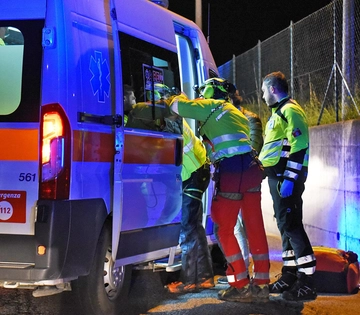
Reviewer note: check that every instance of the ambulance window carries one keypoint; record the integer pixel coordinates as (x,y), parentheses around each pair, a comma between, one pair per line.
(151,76)
(187,65)
(11,65)
(20,70)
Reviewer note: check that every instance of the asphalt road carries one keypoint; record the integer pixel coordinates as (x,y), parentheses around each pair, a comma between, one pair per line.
(147,296)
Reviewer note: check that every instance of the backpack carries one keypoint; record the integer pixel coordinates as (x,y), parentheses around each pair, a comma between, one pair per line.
(337,271)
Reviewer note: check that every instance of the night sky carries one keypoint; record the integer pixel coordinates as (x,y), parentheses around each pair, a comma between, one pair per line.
(237,25)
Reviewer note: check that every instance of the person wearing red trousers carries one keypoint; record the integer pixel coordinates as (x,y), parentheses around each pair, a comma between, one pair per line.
(238,175)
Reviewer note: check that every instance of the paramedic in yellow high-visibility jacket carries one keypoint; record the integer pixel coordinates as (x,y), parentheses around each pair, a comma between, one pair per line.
(196,266)
(285,156)
(238,175)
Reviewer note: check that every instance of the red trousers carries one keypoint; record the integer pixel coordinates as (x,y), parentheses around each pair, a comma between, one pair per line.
(234,177)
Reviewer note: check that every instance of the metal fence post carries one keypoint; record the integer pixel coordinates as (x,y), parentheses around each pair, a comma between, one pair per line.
(291,29)
(259,74)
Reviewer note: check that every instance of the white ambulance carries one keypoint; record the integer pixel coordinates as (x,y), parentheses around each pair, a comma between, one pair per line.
(85,195)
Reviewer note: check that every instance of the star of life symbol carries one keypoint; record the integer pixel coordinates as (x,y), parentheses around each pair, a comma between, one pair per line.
(100,81)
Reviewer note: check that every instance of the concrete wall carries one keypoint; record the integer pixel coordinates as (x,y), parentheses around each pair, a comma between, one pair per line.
(332,194)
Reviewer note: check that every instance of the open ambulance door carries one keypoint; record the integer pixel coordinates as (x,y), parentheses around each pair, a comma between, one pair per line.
(147,164)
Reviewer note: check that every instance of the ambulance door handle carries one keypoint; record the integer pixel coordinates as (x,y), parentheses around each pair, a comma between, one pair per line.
(178,151)
(104,120)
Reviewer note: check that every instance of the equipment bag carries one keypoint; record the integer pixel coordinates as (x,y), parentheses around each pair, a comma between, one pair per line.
(337,271)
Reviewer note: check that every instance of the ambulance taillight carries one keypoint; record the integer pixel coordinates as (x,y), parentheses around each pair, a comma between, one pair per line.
(55,153)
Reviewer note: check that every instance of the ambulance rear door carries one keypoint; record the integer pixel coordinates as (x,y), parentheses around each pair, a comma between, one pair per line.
(147,165)
(21,27)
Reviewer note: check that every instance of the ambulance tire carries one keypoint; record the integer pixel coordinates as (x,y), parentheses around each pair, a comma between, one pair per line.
(106,288)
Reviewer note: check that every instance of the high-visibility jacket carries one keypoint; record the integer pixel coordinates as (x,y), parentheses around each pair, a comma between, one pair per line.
(286,145)
(194,153)
(224,127)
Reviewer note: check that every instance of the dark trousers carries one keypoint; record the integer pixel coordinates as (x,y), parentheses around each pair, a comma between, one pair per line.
(289,215)
(196,259)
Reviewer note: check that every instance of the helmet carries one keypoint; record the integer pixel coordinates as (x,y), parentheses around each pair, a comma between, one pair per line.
(216,88)
(161,92)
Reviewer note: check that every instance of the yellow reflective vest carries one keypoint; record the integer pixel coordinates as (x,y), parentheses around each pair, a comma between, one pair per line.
(286,142)
(194,154)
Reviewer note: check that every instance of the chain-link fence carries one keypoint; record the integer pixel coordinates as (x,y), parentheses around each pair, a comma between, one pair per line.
(320,56)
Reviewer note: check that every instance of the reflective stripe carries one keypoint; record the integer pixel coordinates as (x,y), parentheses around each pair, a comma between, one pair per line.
(228,137)
(189,146)
(261,275)
(305,259)
(294,165)
(308,271)
(290,263)
(272,145)
(237,277)
(226,152)
(288,254)
(19,145)
(175,106)
(221,115)
(290,174)
(230,278)
(261,257)
(285,154)
(235,257)
(288,257)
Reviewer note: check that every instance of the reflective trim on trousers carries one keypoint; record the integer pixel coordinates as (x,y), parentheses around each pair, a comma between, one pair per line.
(288,254)
(261,275)
(308,271)
(237,277)
(305,259)
(234,258)
(261,256)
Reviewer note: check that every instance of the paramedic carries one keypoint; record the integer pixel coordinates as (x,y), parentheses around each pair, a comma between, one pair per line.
(285,157)
(149,115)
(129,101)
(196,270)
(238,175)
(256,138)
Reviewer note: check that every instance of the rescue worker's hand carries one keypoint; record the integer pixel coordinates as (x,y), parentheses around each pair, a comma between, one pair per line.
(286,188)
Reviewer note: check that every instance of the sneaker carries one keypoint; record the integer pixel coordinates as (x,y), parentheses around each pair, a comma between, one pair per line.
(260,292)
(206,284)
(222,280)
(179,287)
(302,290)
(285,282)
(233,294)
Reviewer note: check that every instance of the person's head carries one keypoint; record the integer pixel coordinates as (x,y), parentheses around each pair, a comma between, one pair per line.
(216,88)
(236,99)
(274,87)
(129,97)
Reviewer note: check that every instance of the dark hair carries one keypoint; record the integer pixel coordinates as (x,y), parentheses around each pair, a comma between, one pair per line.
(128,89)
(278,80)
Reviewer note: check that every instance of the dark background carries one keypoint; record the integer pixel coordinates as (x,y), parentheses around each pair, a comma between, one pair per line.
(237,25)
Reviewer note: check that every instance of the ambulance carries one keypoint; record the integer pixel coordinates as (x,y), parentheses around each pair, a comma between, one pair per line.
(84,194)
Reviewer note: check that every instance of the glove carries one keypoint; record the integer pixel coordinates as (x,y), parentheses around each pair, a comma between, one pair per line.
(286,188)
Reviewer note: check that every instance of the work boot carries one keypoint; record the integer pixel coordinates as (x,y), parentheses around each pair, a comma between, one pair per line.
(284,282)
(302,290)
(233,294)
(179,287)
(205,284)
(260,293)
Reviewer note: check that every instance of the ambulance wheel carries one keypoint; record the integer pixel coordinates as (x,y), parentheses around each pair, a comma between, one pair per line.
(105,289)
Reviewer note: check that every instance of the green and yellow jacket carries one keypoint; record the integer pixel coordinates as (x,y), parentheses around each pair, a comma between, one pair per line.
(224,128)
(285,152)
